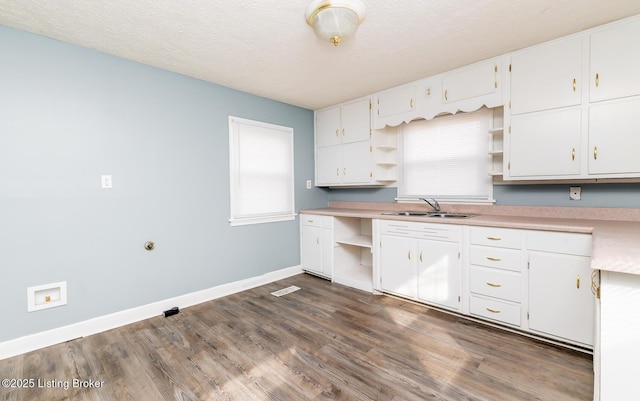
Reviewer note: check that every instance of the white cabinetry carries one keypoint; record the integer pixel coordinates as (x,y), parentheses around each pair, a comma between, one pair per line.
(395,106)
(343,144)
(545,127)
(468,88)
(561,303)
(573,109)
(421,261)
(316,244)
(496,289)
(353,259)
(617,356)
(614,82)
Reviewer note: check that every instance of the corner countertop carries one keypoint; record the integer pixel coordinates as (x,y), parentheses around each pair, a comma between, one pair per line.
(616,233)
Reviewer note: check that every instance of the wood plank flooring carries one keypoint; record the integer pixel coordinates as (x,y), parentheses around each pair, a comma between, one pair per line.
(323,342)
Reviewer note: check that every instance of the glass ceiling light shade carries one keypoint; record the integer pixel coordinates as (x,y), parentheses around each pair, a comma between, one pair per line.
(335,20)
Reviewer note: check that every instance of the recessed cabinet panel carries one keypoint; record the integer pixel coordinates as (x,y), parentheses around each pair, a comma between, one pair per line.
(547,76)
(439,273)
(614,137)
(328,127)
(355,121)
(328,165)
(466,83)
(545,143)
(615,65)
(560,298)
(396,101)
(356,163)
(398,267)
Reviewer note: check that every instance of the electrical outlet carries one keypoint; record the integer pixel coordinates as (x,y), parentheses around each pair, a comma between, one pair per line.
(308,184)
(106,181)
(575,193)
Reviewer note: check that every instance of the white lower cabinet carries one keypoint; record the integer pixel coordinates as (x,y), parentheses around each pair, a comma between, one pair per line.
(561,303)
(421,261)
(316,244)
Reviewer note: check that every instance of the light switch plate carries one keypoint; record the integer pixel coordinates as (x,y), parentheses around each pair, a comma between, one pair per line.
(308,184)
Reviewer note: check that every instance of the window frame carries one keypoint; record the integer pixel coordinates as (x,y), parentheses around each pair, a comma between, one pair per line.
(235,172)
(412,198)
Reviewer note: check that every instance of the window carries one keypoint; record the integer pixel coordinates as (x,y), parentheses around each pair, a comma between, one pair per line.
(447,159)
(261,169)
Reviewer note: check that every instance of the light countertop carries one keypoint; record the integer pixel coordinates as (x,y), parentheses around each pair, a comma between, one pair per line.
(616,243)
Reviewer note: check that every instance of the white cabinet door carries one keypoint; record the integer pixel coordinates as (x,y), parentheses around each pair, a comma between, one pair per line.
(311,252)
(398,268)
(393,105)
(328,127)
(560,298)
(547,76)
(439,273)
(356,121)
(545,143)
(356,163)
(615,64)
(614,137)
(328,165)
(470,82)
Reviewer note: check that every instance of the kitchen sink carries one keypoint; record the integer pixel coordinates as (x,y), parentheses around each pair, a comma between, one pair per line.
(407,213)
(429,214)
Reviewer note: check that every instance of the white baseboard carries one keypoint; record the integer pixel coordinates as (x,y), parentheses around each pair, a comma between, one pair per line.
(107,322)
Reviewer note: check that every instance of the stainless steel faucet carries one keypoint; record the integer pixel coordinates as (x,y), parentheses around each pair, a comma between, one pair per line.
(435,205)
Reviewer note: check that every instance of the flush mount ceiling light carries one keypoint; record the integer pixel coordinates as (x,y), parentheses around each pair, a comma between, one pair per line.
(335,20)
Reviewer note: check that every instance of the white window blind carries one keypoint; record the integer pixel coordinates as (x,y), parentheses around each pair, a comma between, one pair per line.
(261,169)
(447,158)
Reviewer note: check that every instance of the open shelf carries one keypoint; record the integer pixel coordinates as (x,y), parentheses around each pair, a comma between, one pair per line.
(356,276)
(363,241)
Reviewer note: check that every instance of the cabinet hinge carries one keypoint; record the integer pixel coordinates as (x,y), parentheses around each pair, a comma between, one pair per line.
(370,148)
(459,298)
(509,103)
(370,106)
(528,265)
(371,174)
(458,255)
(509,166)
(509,129)
(598,293)
(527,315)
(370,133)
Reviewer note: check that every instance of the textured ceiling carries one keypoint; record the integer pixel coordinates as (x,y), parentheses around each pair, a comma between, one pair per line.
(266,48)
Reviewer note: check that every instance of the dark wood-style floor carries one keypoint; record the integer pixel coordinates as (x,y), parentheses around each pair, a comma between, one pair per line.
(323,342)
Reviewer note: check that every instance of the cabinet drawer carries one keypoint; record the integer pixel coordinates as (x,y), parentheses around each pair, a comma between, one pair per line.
(567,243)
(312,220)
(495,283)
(500,237)
(499,258)
(495,310)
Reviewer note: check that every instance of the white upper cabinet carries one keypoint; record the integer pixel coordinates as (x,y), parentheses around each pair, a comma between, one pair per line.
(343,144)
(615,61)
(614,137)
(471,87)
(546,143)
(548,76)
(395,106)
(356,121)
(328,127)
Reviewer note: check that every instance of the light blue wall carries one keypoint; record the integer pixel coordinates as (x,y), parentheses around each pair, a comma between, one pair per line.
(68,115)
(621,195)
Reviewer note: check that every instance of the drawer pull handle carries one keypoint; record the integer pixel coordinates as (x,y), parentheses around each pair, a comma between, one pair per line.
(493,259)
(493,284)
(409,255)
(578,282)
(493,310)
(310,221)
(421,256)
(574,84)
(494,238)
(317,240)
